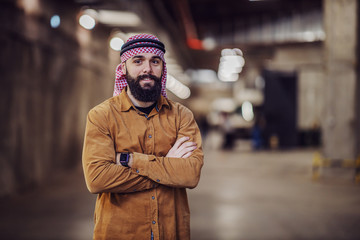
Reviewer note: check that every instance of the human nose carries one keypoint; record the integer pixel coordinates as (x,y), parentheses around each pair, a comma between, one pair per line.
(147,67)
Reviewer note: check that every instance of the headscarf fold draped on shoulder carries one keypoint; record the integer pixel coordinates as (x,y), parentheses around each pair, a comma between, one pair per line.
(141,43)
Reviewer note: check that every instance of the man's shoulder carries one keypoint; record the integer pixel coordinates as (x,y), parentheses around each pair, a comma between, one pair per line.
(176,106)
(103,108)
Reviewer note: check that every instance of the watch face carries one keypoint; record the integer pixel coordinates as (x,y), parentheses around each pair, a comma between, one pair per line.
(124,159)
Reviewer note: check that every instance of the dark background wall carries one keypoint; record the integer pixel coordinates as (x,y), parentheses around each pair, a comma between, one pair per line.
(49,79)
(280,109)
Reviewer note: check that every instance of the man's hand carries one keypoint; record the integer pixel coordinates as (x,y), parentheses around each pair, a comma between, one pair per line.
(181,148)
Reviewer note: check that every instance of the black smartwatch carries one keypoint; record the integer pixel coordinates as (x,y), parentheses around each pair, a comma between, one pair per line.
(124,159)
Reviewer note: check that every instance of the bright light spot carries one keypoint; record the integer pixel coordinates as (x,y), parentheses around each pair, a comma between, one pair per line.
(238,52)
(231,64)
(209,44)
(309,36)
(87,22)
(55,21)
(30,6)
(116,43)
(177,87)
(247,111)
(227,52)
(118,18)
(225,77)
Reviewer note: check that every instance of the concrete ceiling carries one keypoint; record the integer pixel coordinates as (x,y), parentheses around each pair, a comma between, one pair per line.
(201,28)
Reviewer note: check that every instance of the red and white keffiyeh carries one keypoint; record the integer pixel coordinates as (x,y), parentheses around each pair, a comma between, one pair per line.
(120,78)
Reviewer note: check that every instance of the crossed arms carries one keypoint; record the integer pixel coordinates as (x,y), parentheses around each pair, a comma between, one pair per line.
(181,149)
(180,167)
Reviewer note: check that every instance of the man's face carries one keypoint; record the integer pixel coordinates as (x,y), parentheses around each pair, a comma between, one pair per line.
(143,74)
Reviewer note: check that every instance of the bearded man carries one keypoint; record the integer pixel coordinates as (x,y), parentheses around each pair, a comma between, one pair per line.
(141,151)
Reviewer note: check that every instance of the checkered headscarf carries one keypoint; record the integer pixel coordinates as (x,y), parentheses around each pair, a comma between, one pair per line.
(141,43)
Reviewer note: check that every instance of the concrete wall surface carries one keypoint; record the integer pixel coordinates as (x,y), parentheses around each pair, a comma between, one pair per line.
(340,128)
(50,78)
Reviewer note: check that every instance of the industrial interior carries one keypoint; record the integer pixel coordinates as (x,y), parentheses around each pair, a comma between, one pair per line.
(274,86)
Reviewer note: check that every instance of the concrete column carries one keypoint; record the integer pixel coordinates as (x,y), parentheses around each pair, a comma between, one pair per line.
(340,126)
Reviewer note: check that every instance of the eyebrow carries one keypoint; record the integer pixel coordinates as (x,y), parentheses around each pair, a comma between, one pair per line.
(141,57)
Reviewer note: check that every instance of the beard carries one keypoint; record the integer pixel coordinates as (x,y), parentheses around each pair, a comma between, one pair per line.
(147,93)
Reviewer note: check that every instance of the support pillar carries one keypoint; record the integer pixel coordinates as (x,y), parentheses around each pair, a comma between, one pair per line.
(340,126)
(341,121)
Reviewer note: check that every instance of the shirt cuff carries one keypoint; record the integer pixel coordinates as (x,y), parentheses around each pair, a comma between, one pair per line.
(140,163)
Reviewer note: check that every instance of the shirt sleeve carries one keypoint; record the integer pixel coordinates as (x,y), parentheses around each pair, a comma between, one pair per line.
(175,172)
(101,172)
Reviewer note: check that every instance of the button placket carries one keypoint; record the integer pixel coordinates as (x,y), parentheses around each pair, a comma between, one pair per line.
(150,136)
(154,212)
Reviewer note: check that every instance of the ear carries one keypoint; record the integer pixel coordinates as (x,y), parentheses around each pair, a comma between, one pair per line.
(123,67)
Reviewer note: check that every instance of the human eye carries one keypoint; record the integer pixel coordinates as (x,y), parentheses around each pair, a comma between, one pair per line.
(156,61)
(137,61)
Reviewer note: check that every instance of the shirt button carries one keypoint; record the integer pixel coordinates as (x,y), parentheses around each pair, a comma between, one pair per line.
(153,222)
(153,197)
(158,180)
(150,136)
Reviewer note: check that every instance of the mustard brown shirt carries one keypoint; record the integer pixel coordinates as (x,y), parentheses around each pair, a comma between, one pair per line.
(150,196)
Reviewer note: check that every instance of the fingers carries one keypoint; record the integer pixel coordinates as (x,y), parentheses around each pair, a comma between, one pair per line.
(180,141)
(182,148)
(185,149)
(186,152)
(187,155)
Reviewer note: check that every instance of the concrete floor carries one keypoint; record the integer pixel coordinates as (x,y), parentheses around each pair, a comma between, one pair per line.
(270,195)
(241,195)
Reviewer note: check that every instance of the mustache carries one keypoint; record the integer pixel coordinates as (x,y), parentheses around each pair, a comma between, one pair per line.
(141,77)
